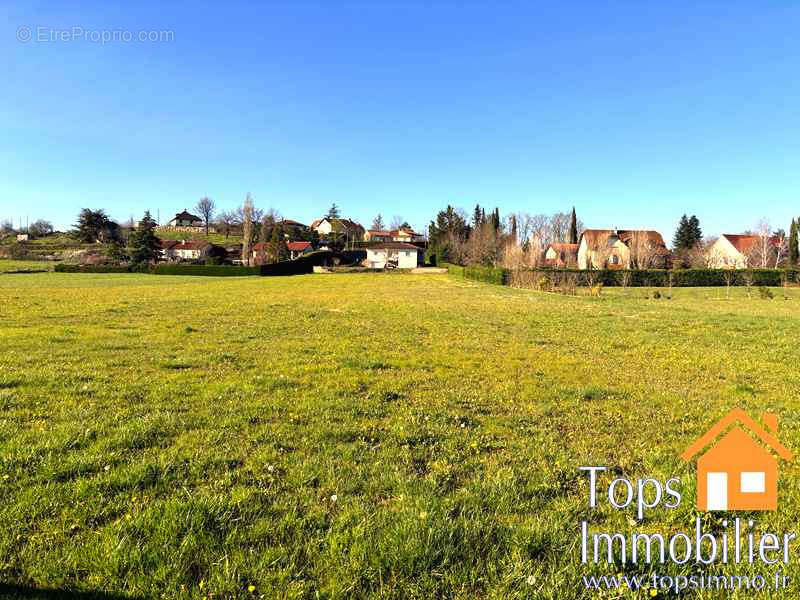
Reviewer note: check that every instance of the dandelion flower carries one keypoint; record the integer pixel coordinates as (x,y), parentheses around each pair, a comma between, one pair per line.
(334,498)
(531,580)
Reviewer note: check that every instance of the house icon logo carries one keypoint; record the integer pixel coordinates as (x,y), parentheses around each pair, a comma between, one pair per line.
(737,468)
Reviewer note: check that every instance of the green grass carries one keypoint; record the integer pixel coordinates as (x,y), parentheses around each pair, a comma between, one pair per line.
(11,266)
(213,238)
(186,437)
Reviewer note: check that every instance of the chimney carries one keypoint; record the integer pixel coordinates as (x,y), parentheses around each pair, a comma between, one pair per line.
(770,422)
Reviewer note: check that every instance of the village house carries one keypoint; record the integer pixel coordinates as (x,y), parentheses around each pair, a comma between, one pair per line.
(345,227)
(739,251)
(403,234)
(165,249)
(561,255)
(399,255)
(622,249)
(191,250)
(185,219)
(297,249)
(738,471)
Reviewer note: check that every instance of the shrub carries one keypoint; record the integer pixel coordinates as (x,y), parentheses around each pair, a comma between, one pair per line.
(656,295)
(765,293)
(487,274)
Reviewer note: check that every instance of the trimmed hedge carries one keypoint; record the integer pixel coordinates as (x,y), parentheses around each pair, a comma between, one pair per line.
(66,268)
(205,270)
(636,278)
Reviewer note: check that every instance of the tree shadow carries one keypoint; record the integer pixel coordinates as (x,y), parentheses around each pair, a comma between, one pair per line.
(23,592)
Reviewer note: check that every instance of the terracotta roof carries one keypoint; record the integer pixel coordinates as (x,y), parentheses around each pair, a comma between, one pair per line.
(744,243)
(597,237)
(298,246)
(292,223)
(393,246)
(191,245)
(379,232)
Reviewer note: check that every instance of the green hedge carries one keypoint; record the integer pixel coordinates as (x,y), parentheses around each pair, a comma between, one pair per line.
(636,278)
(293,267)
(488,274)
(67,268)
(205,270)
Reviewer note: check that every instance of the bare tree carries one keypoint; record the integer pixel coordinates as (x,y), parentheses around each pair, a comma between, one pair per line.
(643,250)
(761,251)
(780,246)
(749,278)
(728,276)
(397,222)
(247,228)
(227,219)
(377,222)
(206,207)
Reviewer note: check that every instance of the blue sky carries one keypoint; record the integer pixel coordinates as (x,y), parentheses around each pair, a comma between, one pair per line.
(633,112)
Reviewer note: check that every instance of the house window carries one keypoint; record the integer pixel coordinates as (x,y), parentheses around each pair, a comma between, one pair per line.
(752,482)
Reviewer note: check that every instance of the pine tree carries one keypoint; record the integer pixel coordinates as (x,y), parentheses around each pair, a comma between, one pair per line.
(333,212)
(696,234)
(143,243)
(477,217)
(793,241)
(680,241)
(573,228)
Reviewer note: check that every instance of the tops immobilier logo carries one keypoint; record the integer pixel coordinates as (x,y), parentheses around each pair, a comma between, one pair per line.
(737,472)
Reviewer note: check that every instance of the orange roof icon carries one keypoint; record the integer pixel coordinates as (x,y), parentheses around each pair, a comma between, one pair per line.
(737,414)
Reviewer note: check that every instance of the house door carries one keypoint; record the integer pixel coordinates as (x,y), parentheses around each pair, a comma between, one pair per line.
(717,491)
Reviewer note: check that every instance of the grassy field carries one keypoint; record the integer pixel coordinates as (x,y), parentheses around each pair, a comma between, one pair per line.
(357,435)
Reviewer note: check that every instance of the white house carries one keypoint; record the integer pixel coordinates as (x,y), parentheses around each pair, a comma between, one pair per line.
(185,219)
(190,250)
(297,249)
(394,254)
(733,251)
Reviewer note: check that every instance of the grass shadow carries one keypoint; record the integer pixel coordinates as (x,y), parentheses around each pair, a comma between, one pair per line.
(23,592)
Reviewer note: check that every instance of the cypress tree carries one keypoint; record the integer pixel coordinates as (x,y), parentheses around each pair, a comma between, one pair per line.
(793,240)
(573,228)
(477,217)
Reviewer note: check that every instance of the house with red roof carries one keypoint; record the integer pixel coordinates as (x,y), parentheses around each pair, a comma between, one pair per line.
(740,251)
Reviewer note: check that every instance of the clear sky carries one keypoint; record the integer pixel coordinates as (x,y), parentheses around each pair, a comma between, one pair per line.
(633,112)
